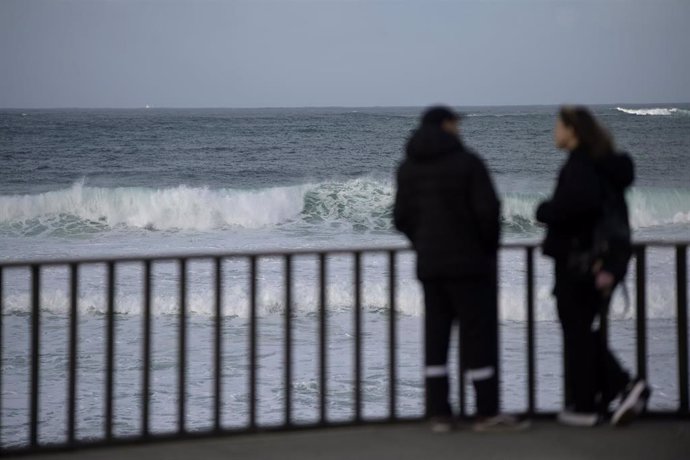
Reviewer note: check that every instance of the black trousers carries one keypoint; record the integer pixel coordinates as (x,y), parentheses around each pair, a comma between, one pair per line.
(593,376)
(473,302)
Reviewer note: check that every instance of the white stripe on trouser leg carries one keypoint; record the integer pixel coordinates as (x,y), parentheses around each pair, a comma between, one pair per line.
(482,373)
(596,323)
(436,371)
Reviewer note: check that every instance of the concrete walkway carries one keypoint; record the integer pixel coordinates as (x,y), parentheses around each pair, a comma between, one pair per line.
(649,440)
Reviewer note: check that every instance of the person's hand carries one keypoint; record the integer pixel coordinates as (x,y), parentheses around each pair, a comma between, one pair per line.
(542,213)
(604,281)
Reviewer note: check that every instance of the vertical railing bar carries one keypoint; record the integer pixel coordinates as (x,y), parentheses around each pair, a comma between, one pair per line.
(146,352)
(682,306)
(35,353)
(252,343)
(110,350)
(531,381)
(182,350)
(288,340)
(1,348)
(495,304)
(392,339)
(72,368)
(358,336)
(218,343)
(604,339)
(322,339)
(641,294)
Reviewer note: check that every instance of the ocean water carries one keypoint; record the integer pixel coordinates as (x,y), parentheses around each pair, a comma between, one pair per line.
(153,181)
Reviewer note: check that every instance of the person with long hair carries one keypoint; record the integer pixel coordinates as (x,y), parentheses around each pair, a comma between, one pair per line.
(588,236)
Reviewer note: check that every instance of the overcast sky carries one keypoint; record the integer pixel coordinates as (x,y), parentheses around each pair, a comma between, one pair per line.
(285,53)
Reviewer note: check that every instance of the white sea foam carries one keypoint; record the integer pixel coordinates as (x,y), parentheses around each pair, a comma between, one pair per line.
(182,207)
(659,111)
(652,208)
(270,301)
(647,207)
(356,205)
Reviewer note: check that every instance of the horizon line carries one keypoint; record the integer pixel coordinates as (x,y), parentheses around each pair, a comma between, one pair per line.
(295,107)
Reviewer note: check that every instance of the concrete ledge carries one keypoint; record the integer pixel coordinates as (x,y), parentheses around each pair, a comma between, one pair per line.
(656,440)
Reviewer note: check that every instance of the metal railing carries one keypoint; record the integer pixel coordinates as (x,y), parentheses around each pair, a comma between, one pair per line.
(146,433)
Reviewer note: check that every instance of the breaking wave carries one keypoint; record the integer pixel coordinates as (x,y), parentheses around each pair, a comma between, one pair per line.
(363,204)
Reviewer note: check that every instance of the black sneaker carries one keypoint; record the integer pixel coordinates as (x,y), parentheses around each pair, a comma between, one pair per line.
(633,403)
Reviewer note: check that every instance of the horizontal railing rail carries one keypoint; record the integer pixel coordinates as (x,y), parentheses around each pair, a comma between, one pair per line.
(277,253)
(147,432)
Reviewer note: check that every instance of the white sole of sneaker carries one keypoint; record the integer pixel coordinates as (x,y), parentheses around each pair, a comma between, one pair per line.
(631,407)
(577,419)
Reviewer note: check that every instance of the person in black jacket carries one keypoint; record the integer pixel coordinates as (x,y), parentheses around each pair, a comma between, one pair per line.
(585,274)
(447,206)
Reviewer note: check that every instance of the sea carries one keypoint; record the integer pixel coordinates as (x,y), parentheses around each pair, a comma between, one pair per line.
(155,181)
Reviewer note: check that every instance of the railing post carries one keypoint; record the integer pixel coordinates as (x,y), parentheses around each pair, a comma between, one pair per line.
(641,294)
(146,351)
(682,322)
(110,351)
(182,358)
(252,343)
(495,305)
(218,345)
(531,367)
(72,367)
(288,340)
(392,339)
(35,353)
(358,335)
(1,348)
(323,350)
(604,337)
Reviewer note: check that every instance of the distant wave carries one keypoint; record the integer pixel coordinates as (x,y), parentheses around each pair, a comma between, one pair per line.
(655,111)
(363,204)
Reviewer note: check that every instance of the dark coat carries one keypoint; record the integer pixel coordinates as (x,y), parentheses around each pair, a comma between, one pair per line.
(447,206)
(576,206)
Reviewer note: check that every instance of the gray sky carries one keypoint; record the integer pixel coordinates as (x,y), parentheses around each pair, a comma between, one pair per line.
(201,53)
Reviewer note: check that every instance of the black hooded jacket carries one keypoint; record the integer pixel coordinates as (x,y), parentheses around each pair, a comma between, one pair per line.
(577,203)
(447,206)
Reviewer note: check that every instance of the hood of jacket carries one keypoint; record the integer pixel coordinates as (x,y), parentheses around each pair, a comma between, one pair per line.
(618,168)
(429,143)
